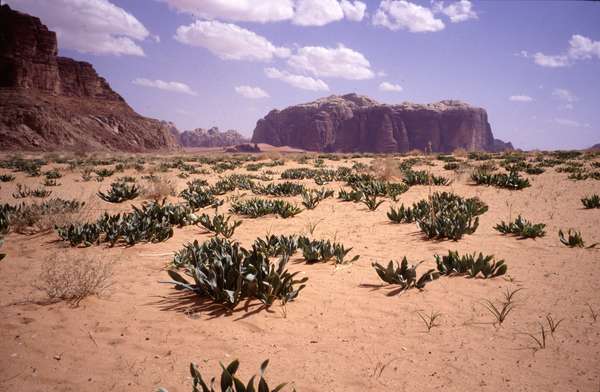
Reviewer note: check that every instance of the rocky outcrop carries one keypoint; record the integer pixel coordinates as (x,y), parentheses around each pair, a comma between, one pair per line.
(49,102)
(357,123)
(210,138)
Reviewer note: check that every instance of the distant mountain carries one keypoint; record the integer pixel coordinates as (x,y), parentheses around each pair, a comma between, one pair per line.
(358,123)
(595,147)
(210,138)
(56,103)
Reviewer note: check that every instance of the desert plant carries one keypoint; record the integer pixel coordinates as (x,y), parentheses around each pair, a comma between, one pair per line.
(229,382)
(407,214)
(23,191)
(371,202)
(157,188)
(314,251)
(273,245)
(354,196)
(120,192)
(430,320)
(521,227)
(256,207)
(512,180)
(53,174)
(6,177)
(470,265)
(39,217)
(573,240)
(104,172)
(73,279)
(592,201)
(552,324)
(218,224)
(412,177)
(41,192)
(50,182)
(286,188)
(312,197)
(499,312)
(541,339)
(404,275)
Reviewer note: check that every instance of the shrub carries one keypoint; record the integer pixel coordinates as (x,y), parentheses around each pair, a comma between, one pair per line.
(451,166)
(522,227)
(286,188)
(53,174)
(312,197)
(229,382)
(273,245)
(35,218)
(315,251)
(591,201)
(354,196)
(6,177)
(22,192)
(422,177)
(104,172)
(227,273)
(120,192)
(73,279)
(470,265)
(198,195)
(40,192)
(157,188)
(371,202)
(501,180)
(404,275)
(219,224)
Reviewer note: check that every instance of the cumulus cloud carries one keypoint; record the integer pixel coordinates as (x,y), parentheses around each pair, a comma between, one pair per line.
(571,123)
(564,95)
(176,87)
(353,10)
(401,14)
(261,11)
(580,48)
(387,86)
(317,12)
(89,26)
(229,41)
(459,11)
(251,92)
(340,62)
(298,81)
(520,98)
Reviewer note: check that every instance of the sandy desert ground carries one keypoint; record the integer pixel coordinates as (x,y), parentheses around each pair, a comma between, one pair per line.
(344,332)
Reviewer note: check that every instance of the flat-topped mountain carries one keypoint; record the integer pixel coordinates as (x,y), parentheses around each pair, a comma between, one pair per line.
(357,123)
(49,102)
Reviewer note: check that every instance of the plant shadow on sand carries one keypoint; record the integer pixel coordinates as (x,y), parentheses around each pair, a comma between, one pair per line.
(193,305)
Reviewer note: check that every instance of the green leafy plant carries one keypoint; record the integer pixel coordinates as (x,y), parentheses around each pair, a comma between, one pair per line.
(6,177)
(120,192)
(471,265)
(404,275)
(540,339)
(371,202)
(197,194)
(521,227)
(256,207)
(512,180)
(430,320)
(354,196)
(286,188)
(218,224)
(229,382)
(592,201)
(412,177)
(573,239)
(315,251)
(41,192)
(23,191)
(273,245)
(312,197)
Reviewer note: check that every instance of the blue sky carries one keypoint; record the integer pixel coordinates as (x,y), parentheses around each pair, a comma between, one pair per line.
(535,66)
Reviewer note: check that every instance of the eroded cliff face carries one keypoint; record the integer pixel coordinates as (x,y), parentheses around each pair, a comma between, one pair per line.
(56,103)
(212,137)
(357,123)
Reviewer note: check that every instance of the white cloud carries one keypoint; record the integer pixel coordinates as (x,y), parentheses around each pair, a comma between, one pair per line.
(401,14)
(520,98)
(298,81)
(459,11)
(89,26)
(340,62)
(564,95)
(551,61)
(251,92)
(386,86)
(354,11)
(317,12)
(580,48)
(571,123)
(261,11)
(176,87)
(229,41)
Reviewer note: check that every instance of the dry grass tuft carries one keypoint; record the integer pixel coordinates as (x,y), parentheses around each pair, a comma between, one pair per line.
(460,152)
(73,279)
(386,169)
(158,188)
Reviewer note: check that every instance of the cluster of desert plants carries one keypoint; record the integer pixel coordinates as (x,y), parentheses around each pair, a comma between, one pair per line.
(225,272)
(38,217)
(423,177)
(404,275)
(286,188)
(256,207)
(198,195)
(573,239)
(471,265)
(6,177)
(315,251)
(152,222)
(512,180)
(277,245)
(119,192)
(354,196)
(218,224)
(229,382)
(521,227)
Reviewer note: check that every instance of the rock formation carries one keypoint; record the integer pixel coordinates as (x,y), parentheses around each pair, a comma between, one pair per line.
(49,102)
(210,138)
(357,123)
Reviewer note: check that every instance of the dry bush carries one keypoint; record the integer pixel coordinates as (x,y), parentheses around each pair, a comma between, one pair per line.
(386,169)
(158,188)
(37,218)
(460,152)
(73,279)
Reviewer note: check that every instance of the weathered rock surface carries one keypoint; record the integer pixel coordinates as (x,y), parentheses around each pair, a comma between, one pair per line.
(49,102)
(357,123)
(210,138)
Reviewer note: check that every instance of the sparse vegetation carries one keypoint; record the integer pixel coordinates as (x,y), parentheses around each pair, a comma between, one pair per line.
(512,180)
(573,239)
(218,224)
(521,227)
(120,192)
(592,201)
(472,265)
(404,275)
